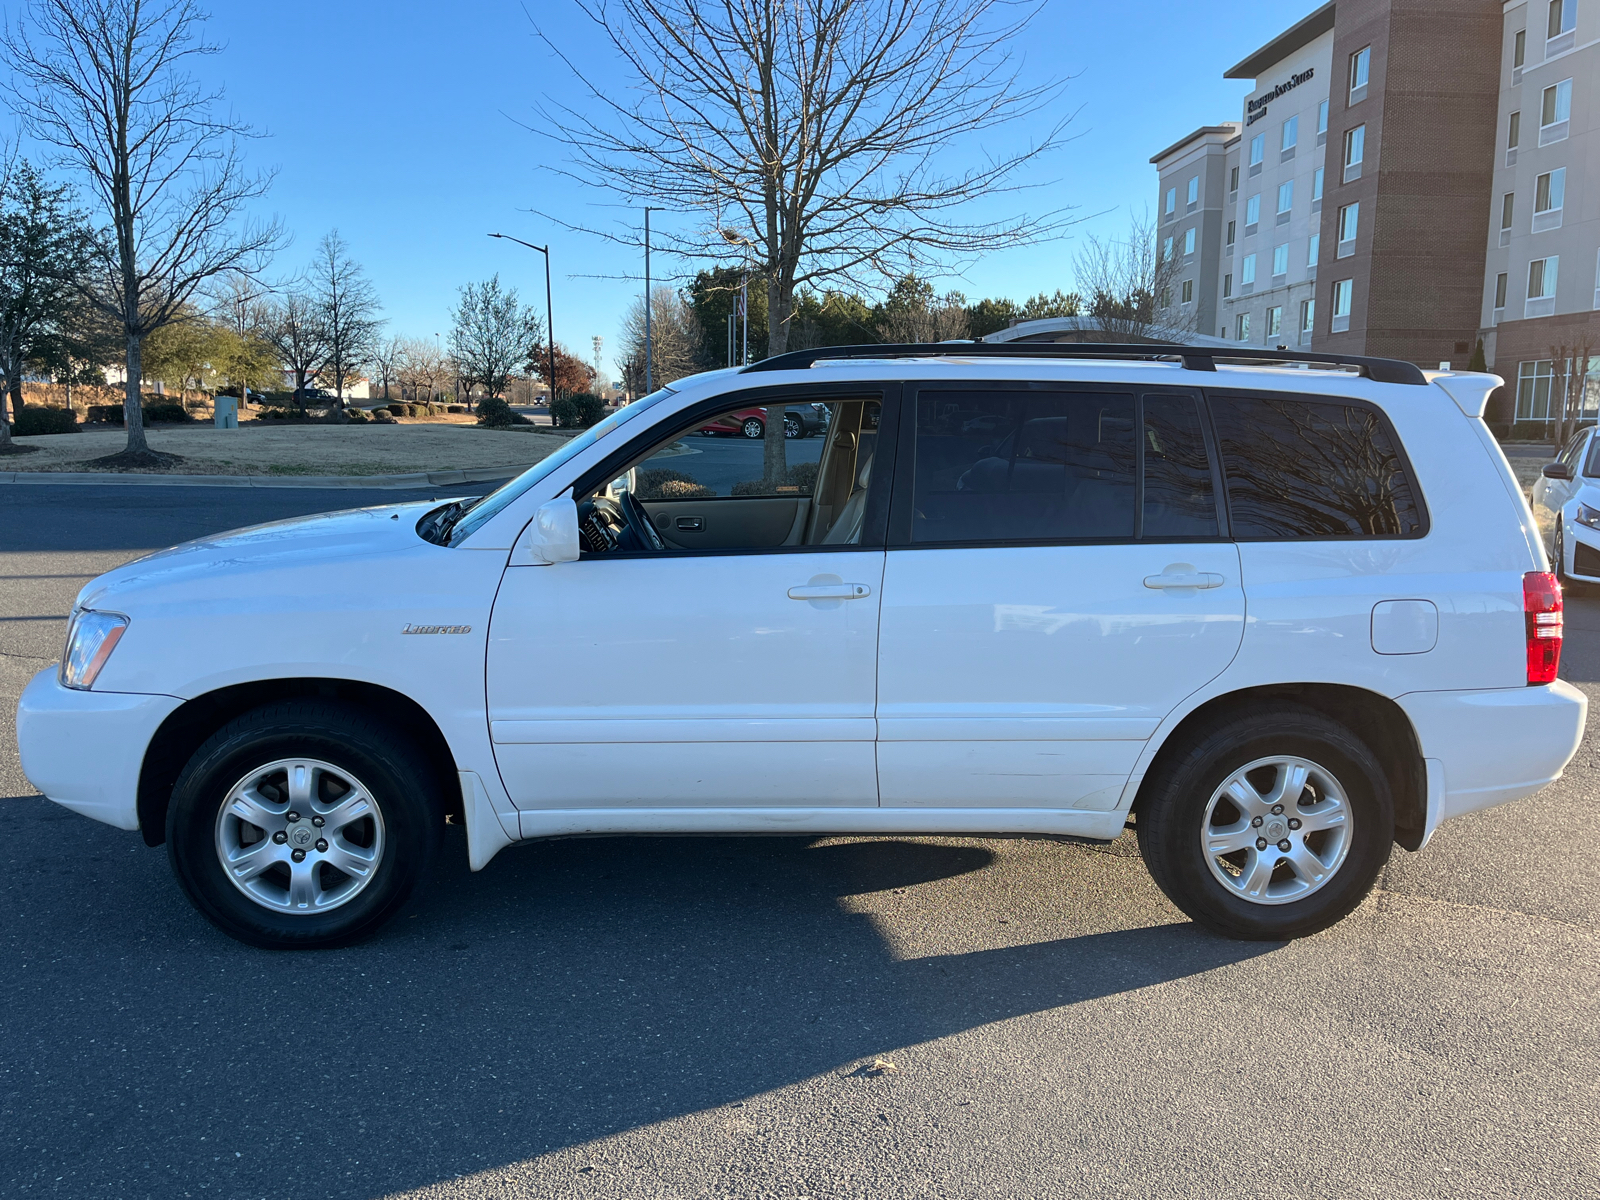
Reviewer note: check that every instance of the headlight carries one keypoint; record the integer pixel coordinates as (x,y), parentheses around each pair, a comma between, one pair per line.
(1587,516)
(91,638)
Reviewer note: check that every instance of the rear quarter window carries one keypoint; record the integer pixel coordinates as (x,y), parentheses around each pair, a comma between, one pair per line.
(1302,467)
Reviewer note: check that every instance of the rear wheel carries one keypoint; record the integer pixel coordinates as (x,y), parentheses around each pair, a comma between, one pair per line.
(302,824)
(793,427)
(1274,824)
(753,428)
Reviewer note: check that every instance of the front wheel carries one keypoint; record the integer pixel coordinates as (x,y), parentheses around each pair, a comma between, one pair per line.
(753,428)
(302,824)
(792,427)
(1274,824)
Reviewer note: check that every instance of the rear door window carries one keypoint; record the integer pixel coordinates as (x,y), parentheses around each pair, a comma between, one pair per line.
(1002,465)
(1304,467)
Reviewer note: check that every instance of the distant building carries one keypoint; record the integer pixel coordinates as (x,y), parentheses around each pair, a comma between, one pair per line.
(1407,176)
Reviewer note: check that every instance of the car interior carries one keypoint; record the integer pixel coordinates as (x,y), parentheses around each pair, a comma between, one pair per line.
(693,490)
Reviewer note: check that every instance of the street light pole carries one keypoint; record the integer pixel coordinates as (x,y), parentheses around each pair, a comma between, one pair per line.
(549,314)
(649,347)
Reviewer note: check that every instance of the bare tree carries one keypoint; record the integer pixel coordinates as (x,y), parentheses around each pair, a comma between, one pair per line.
(386,355)
(1129,285)
(349,306)
(674,337)
(423,368)
(105,83)
(492,333)
(1568,385)
(809,134)
(240,304)
(298,336)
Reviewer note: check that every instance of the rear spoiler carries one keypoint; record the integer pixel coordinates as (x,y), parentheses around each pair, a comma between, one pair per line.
(1469,389)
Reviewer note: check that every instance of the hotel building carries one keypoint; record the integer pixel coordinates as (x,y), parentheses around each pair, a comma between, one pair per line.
(1407,176)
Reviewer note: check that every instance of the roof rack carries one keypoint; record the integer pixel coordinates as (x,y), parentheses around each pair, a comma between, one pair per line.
(1193,358)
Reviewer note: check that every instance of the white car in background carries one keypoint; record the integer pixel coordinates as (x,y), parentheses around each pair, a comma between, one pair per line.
(1280,614)
(1566,499)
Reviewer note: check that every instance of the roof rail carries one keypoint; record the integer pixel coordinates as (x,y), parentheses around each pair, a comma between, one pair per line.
(1193,358)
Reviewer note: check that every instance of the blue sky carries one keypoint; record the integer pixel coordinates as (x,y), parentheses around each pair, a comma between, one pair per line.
(397,123)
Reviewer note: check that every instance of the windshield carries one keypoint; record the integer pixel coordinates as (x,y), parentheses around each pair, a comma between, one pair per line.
(1591,463)
(475,515)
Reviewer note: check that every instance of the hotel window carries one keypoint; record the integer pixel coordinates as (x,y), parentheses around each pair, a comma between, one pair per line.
(1322,122)
(1349,221)
(1559,28)
(1513,136)
(1285,197)
(1534,381)
(1519,54)
(1355,149)
(1166,250)
(1247,269)
(1188,241)
(1360,66)
(1194,190)
(1343,290)
(1554,109)
(1549,194)
(1172,201)
(1252,213)
(1242,327)
(1187,291)
(1308,315)
(1290,136)
(1232,227)
(1542,286)
(1500,281)
(1274,321)
(1313,249)
(1280,259)
(1508,206)
(1227,286)
(1233,179)
(1258,149)
(1316,190)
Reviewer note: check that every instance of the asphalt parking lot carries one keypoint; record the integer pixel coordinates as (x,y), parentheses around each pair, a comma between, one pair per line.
(891,1017)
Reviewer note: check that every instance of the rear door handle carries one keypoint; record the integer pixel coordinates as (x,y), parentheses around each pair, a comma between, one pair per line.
(1184,579)
(830,591)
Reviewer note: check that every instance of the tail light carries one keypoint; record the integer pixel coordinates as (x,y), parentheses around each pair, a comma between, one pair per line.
(1541,606)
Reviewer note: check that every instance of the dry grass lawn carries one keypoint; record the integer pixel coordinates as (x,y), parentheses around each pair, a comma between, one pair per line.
(303,449)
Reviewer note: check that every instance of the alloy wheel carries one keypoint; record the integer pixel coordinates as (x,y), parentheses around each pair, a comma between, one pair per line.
(1276,830)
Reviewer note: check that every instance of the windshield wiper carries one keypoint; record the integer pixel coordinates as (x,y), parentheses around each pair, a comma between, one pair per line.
(436,526)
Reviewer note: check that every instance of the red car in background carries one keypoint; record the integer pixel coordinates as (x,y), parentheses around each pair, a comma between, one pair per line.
(801,420)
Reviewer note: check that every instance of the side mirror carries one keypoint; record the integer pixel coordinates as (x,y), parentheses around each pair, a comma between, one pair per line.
(1557,470)
(552,535)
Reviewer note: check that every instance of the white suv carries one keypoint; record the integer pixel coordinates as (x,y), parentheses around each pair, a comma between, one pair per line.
(1279,617)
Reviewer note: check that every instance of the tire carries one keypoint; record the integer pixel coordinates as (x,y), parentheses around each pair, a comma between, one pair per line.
(1558,562)
(793,427)
(753,428)
(371,810)
(1269,895)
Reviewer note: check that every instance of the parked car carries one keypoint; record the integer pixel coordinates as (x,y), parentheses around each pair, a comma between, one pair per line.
(251,395)
(1036,624)
(1566,504)
(801,420)
(313,395)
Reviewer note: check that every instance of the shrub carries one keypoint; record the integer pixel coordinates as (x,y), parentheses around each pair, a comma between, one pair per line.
(165,413)
(661,483)
(110,413)
(455,408)
(802,479)
(34,420)
(495,413)
(357,415)
(577,411)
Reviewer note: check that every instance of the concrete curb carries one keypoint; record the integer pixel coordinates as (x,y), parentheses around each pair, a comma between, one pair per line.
(418,479)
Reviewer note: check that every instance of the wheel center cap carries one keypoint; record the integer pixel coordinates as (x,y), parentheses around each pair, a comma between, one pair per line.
(1276,829)
(302,834)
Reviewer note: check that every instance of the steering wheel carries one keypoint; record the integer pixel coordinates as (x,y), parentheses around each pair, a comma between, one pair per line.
(608,525)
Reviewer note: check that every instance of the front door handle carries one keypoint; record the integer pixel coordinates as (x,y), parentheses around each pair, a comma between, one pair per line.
(830,591)
(1184,579)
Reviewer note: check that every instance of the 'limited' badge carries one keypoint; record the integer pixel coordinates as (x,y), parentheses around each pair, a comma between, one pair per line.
(437,629)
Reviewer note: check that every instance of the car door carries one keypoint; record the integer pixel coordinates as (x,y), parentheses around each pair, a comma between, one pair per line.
(1057,582)
(1550,494)
(732,667)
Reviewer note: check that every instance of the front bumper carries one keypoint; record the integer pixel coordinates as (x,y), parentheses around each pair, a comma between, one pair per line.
(1583,552)
(1488,747)
(84,750)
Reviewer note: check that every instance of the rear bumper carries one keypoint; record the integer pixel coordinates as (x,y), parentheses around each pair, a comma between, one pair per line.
(84,750)
(1488,747)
